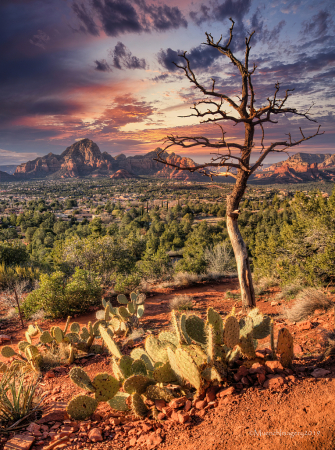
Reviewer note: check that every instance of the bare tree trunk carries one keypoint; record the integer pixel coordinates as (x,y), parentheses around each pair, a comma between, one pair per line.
(238,244)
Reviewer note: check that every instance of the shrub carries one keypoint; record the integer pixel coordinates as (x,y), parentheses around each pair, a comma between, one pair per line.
(181,302)
(263,284)
(59,297)
(220,259)
(291,290)
(308,301)
(127,282)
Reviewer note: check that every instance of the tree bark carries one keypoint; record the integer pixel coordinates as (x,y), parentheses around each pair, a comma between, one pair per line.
(238,244)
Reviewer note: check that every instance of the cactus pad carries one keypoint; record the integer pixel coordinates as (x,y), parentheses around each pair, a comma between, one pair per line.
(197,354)
(46,337)
(81,407)
(97,349)
(139,367)
(164,374)
(7,352)
(125,364)
(84,335)
(28,337)
(119,401)
(211,374)
(106,335)
(81,379)
(22,345)
(140,353)
(140,311)
(189,370)
(58,334)
(156,349)
(214,318)
(100,315)
(122,299)
(123,313)
(105,386)
(73,338)
(137,383)
(32,331)
(138,406)
(247,345)
(184,333)
(195,328)
(231,333)
(261,324)
(158,393)
(167,336)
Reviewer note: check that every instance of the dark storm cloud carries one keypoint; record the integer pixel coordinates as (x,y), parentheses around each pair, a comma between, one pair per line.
(123,58)
(201,57)
(319,25)
(236,9)
(88,24)
(102,66)
(123,16)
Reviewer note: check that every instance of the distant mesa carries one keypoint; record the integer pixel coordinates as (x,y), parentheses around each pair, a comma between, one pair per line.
(123,174)
(84,158)
(299,168)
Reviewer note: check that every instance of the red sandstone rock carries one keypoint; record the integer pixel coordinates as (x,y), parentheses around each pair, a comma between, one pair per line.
(94,435)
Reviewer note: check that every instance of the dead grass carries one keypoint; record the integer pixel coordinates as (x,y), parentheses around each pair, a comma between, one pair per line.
(308,301)
(290,290)
(181,303)
(263,285)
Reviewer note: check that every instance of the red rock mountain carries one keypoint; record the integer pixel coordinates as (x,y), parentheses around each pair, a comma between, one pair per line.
(298,168)
(84,158)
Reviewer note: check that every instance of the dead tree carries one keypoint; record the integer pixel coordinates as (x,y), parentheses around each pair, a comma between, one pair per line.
(245,112)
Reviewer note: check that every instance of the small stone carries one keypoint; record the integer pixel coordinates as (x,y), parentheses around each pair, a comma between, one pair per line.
(305,325)
(133,441)
(177,402)
(49,374)
(200,404)
(21,442)
(160,404)
(245,381)
(273,367)
(183,417)
(56,412)
(274,303)
(34,429)
(115,422)
(146,427)
(228,391)
(161,416)
(188,405)
(153,440)
(242,372)
(274,383)
(319,373)
(94,435)
(211,393)
(261,378)
(257,368)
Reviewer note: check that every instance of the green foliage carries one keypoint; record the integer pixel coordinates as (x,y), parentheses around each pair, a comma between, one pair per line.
(60,297)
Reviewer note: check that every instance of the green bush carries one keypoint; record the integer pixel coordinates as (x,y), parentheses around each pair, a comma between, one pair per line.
(127,283)
(60,297)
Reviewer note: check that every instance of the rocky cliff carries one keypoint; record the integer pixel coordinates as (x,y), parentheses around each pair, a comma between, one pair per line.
(84,158)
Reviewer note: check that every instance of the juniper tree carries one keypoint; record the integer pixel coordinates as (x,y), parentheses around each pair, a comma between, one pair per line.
(235,155)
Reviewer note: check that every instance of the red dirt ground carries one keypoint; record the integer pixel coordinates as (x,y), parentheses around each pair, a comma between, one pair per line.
(297,415)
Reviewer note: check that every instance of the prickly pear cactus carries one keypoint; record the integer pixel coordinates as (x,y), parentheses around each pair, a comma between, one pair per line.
(138,406)
(214,319)
(7,351)
(285,347)
(164,374)
(119,401)
(81,379)
(195,328)
(81,407)
(105,387)
(158,393)
(231,333)
(137,383)
(261,324)
(106,335)
(167,336)
(188,369)
(156,349)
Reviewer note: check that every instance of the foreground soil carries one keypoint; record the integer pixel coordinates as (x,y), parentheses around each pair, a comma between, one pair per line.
(294,414)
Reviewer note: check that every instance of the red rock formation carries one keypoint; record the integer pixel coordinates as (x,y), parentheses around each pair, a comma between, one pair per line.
(123,174)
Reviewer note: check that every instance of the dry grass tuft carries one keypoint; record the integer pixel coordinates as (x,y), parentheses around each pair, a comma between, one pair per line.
(291,290)
(308,301)
(263,284)
(181,303)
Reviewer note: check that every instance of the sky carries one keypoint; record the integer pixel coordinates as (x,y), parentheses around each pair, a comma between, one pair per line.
(102,69)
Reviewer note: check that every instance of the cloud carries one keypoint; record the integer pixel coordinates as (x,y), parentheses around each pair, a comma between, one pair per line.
(52,107)
(318,26)
(291,6)
(88,24)
(40,39)
(10,157)
(102,66)
(123,16)
(123,58)
(236,9)
(201,57)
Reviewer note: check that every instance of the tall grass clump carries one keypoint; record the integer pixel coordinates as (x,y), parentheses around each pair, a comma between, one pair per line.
(308,301)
